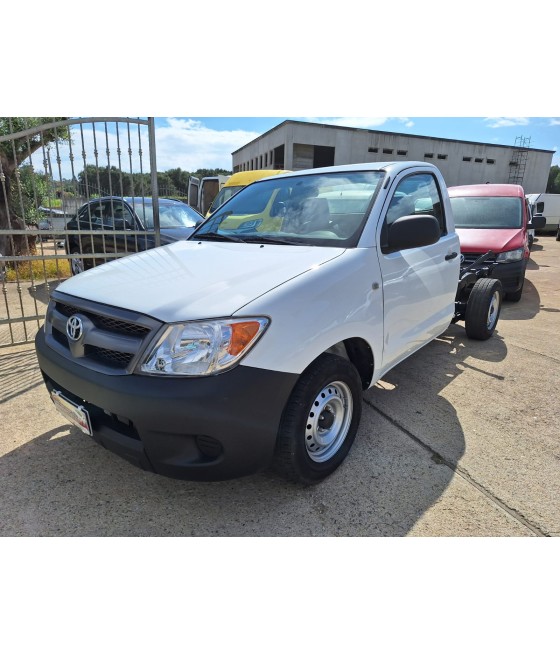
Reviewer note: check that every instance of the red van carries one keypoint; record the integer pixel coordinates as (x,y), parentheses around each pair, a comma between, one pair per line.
(495,217)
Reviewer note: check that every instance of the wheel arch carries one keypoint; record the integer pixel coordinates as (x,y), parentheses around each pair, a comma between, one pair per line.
(359,353)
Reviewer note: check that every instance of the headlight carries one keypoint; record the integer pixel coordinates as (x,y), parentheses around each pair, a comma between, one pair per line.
(510,256)
(203,347)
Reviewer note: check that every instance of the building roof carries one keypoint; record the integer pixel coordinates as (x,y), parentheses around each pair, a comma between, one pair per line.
(381,132)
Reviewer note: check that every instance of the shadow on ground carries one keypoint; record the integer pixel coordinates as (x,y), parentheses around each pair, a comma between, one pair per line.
(62,483)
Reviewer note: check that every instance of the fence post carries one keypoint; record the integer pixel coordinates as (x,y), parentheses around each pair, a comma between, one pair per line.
(153,173)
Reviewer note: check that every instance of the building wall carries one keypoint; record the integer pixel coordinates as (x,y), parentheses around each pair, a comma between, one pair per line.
(461,162)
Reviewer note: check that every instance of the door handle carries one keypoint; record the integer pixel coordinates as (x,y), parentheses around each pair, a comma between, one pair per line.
(451,256)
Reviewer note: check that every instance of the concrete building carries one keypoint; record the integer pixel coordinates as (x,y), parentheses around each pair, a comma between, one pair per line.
(297,145)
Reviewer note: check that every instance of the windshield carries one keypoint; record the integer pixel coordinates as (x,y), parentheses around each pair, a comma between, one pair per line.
(487,213)
(171,215)
(225,193)
(324,209)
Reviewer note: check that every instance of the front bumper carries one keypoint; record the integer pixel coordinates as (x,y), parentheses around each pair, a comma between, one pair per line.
(209,428)
(511,275)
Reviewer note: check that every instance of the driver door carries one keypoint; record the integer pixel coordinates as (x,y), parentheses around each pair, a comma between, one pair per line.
(419,284)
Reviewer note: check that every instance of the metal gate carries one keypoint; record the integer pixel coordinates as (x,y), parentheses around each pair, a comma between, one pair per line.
(49,168)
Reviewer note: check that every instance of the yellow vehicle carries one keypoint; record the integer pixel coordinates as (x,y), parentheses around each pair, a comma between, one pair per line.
(236,182)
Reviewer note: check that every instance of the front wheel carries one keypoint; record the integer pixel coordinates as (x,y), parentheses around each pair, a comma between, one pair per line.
(483,308)
(77,263)
(320,421)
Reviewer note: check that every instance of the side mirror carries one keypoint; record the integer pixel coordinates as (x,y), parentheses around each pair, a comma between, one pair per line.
(538,222)
(413,231)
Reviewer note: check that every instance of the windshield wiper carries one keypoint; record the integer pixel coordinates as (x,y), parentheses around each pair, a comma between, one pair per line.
(215,236)
(266,239)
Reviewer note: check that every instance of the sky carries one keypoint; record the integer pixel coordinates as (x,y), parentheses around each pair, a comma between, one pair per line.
(192,143)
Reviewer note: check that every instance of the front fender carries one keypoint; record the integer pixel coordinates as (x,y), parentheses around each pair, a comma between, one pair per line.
(340,299)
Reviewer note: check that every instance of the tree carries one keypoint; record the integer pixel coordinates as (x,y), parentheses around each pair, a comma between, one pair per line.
(211,172)
(13,153)
(553,185)
(179,178)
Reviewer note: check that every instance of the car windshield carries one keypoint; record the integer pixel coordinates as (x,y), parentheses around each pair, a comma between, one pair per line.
(225,193)
(487,212)
(175,214)
(327,209)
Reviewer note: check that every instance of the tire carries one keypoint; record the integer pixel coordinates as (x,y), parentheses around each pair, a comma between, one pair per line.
(79,264)
(558,234)
(483,308)
(320,421)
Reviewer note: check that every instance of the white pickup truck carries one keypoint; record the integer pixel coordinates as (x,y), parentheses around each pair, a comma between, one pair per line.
(250,343)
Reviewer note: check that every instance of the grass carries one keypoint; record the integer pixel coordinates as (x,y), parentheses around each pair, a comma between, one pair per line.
(38,270)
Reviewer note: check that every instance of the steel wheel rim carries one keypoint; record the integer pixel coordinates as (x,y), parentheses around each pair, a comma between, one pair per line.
(328,421)
(77,265)
(493,311)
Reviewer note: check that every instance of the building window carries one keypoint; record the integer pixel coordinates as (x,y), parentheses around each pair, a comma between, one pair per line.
(442,156)
(373,149)
(428,155)
(402,152)
(387,151)
(478,160)
(467,158)
(490,161)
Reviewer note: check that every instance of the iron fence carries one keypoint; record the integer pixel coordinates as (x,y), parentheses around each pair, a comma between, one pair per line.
(49,169)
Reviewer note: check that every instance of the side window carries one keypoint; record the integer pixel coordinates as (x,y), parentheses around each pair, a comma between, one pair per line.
(114,213)
(416,194)
(93,212)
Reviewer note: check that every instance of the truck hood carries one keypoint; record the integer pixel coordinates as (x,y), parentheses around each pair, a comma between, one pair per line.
(473,240)
(191,280)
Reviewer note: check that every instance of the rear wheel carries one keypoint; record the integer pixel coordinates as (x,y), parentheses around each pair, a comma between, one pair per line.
(483,308)
(320,421)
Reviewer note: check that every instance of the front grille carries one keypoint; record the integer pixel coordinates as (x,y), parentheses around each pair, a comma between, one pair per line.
(104,322)
(471,257)
(112,339)
(109,357)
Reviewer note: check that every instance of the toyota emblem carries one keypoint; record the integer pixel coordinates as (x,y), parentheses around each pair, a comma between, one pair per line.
(74,328)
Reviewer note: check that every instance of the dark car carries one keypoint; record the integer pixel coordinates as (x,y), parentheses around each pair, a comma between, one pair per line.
(112,217)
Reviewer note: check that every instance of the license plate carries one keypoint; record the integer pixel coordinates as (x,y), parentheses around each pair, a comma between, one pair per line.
(76,414)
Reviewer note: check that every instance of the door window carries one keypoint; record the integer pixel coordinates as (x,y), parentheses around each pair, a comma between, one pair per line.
(416,194)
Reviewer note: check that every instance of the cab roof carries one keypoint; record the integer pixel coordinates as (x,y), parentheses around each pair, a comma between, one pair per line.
(488,190)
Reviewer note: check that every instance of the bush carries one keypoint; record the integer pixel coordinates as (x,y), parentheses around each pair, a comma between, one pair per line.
(48,269)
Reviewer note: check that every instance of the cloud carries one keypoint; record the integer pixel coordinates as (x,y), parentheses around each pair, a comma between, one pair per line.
(188,144)
(180,143)
(554,122)
(506,122)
